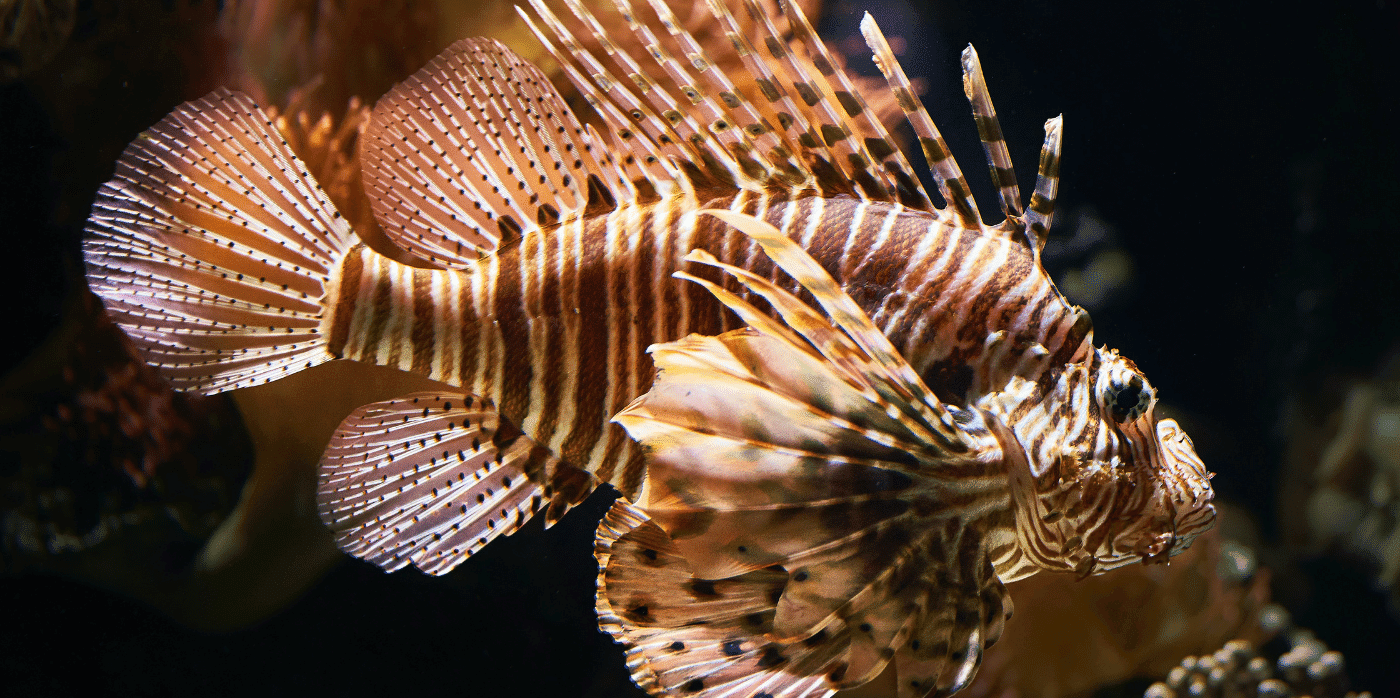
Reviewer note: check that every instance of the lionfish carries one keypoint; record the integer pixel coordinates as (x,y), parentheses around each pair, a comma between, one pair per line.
(814,512)
(965,431)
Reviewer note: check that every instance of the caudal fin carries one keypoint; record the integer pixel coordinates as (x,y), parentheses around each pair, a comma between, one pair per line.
(215,249)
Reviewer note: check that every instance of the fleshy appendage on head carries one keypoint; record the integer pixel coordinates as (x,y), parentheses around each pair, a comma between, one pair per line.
(1101,484)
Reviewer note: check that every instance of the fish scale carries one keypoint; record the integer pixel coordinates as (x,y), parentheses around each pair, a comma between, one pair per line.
(941,425)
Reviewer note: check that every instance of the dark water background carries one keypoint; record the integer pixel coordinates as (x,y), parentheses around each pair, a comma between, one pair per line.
(1245,152)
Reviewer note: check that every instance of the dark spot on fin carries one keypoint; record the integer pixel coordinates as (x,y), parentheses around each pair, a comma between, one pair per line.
(774,47)
(547,215)
(771,657)
(510,230)
(600,197)
(769,91)
(909,193)
(646,191)
(833,134)
(879,148)
(703,588)
(849,103)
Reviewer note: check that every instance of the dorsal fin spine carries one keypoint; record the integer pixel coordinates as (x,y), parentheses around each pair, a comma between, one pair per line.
(778,98)
(736,139)
(649,125)
(1041,213)
(706,142)
(989,131)
(659,99)
(848,147)
(837,149)
(864,115)
(619,171)
(941,162)
(765,140)
(655,167)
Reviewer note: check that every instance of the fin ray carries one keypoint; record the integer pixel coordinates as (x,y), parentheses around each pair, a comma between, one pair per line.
(941,162)
(1041,213)
(430,478)
(473,150)
(989,131)
(214,248)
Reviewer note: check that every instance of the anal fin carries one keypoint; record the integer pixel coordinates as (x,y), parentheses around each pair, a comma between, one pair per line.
(430,478)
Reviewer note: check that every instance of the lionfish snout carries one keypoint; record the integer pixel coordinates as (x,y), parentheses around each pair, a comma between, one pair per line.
(1187,480)
(1182,504)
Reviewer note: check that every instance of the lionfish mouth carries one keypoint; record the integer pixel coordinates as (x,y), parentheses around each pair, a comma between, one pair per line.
(1184,499)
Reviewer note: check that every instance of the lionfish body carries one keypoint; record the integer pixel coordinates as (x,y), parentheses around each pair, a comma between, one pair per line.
(819,498)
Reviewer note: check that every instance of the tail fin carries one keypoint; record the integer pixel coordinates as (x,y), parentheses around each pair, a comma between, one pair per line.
(215,249)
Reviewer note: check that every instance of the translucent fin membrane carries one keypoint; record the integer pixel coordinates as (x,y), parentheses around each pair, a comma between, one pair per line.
(688,636)
(473,150)
(428,479)
(213,248)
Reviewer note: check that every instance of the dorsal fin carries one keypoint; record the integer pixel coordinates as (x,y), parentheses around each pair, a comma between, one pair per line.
(478,148)
(941,162)
(750,130)
(1047,184)
(475,148)
(989,131)
(877,143)
(807,127)
(842,139)
(792,122)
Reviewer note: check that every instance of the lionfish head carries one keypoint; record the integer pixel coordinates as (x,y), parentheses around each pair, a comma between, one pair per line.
(1119,486)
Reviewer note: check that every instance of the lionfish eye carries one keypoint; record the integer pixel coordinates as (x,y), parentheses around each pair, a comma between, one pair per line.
(1128,401)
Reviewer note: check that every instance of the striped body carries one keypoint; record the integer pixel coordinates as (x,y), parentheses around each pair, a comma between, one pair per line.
(555,329)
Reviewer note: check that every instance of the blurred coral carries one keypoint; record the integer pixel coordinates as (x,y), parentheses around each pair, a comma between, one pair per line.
(1303,667)
(348,49)
(1343,457)
(31,32)
(1090,267)
(97,442)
